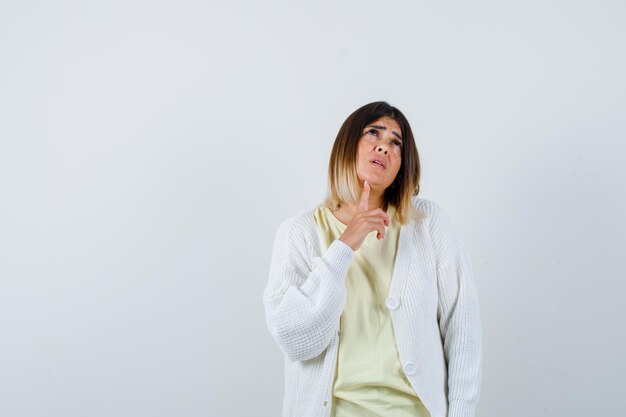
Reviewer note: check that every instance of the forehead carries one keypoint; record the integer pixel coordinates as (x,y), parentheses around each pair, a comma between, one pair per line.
(388,122)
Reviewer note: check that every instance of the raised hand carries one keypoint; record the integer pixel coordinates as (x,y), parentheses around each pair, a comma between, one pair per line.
(364,221)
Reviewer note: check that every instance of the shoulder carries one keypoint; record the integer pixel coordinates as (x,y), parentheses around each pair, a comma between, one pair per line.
(440,226)
(295,237)
(298,224)
(428,208)
(424,204)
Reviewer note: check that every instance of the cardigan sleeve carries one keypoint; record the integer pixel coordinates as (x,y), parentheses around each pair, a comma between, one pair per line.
(305,295)
(459,320)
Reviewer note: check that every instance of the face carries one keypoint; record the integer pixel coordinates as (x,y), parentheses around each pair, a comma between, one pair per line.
(380,140)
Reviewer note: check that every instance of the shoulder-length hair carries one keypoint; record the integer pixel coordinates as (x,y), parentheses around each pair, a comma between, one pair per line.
(343,183)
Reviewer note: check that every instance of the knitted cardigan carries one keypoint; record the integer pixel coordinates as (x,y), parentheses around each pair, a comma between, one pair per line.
(432,300)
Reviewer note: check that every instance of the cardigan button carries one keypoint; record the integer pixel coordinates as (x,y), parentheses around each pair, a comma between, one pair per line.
(409,368)
(392,303)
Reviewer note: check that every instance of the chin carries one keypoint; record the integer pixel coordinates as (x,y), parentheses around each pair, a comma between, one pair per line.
(376,184)
(374,181)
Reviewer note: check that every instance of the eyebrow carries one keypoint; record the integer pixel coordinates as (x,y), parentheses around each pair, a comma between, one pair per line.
(393,132)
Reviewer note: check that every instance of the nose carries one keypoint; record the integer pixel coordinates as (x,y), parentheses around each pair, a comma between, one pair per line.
(382,148)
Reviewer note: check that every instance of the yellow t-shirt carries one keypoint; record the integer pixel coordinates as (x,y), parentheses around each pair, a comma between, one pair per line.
(369,381)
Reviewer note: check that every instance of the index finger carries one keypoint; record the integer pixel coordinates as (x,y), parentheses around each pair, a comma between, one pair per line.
(365,195)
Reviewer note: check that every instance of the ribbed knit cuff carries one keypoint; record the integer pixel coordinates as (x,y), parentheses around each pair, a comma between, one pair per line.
(461,408)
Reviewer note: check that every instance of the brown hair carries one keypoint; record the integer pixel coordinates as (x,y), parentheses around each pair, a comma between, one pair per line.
(343,182)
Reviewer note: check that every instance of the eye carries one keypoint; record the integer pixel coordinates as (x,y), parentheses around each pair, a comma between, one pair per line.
(373,131)
(397,143)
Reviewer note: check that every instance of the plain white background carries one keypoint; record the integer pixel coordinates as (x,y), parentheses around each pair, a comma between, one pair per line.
(149,150)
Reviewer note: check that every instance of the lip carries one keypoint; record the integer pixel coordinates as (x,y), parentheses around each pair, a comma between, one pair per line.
(376,159)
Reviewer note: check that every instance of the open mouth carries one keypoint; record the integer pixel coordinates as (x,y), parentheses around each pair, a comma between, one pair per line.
(377,163)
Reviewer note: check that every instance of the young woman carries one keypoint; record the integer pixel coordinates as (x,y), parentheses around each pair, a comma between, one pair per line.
(371,295)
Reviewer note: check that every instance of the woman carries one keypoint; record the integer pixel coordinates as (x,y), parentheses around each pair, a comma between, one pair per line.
(371,295)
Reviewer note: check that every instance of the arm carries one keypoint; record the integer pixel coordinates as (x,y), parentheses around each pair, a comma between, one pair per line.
(460,326)
(458,314)
(304,297)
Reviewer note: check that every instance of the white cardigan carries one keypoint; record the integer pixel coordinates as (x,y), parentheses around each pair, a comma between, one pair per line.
(432,300)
